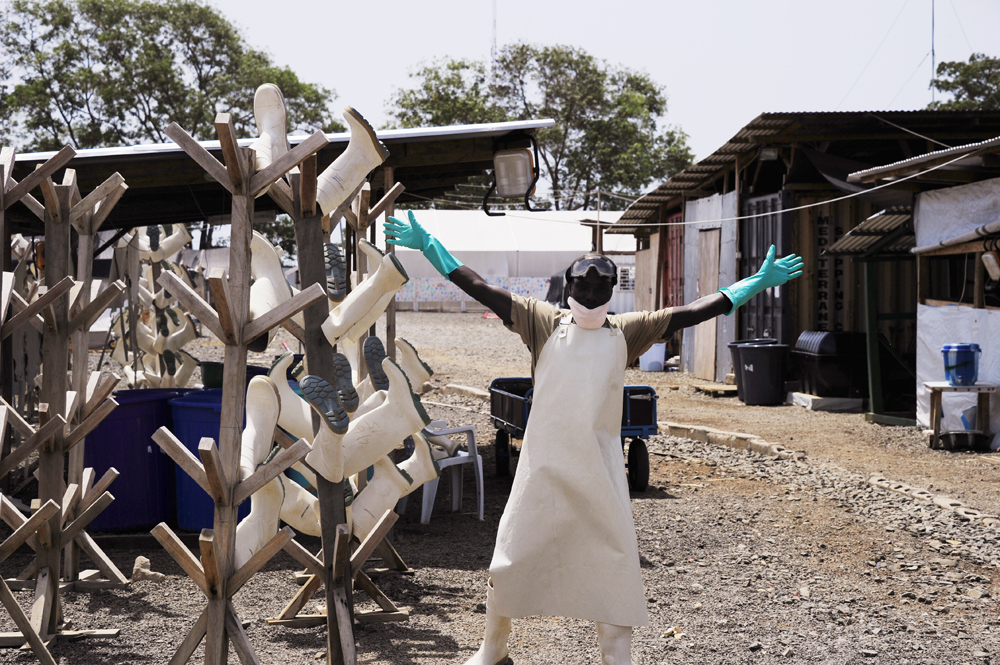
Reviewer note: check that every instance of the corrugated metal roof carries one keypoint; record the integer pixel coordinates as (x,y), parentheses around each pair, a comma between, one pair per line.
(914,164)
(887,232)
(804,127)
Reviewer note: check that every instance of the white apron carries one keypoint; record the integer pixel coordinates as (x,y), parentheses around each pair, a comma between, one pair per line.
(566,544)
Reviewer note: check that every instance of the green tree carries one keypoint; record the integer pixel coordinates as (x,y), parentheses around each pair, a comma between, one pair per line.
(973,85)
(608,134)
(94,73)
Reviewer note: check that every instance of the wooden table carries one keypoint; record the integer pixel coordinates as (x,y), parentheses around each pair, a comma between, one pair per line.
(938,388)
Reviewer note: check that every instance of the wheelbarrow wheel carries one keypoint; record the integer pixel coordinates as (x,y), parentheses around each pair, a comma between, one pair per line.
(502,450)
(638,465)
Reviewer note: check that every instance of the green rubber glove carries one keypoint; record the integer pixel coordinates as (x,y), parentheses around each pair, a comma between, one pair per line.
(414,236)
(771,273)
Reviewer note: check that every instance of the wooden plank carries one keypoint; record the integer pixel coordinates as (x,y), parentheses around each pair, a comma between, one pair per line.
(184,458)
(7,158)
(386,201)
(181,554)
(340,555)
(48,430)
(38,176)
(265,474)
(303,556)
(101,393)
(263,179)
(70,497)
(91,495)
(299,600)
(367,547)
(273,317)
(342,609)
(392,559)
(299,621)
(101,560)
(295,329)
(104,208)
(364,198)
(41,607)
(28,529)
(98,194)
(219,284)
(89,315)
(979,283)
(24,625)
(257,561)
(193,302)
(190,644)
(365,584)
(196,152)
(19,304)
(281,194)
(238,637)
(19,423)
(307,187)
(381,617)
(206,543)
(235,165)
(88,425)
(39,305)
(85,518)
(214,473)
(708,283)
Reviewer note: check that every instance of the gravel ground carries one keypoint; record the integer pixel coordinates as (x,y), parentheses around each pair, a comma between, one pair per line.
(746,559)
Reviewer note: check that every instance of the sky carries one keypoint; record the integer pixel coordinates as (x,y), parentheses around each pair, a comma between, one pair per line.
(722,63)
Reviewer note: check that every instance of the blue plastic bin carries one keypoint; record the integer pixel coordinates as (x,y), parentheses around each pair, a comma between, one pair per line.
(196,415)
(144,491)
(961,363)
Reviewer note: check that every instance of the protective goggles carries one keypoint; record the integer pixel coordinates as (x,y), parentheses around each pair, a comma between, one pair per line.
(604,266)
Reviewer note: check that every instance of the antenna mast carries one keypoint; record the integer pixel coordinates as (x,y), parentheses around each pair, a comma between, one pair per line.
(493,49)
(932,49)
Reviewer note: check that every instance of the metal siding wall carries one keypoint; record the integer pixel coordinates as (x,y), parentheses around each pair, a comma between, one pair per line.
(673,273)
(768,314)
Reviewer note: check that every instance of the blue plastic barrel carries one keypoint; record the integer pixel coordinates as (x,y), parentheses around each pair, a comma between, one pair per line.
(196,415)
(961,363)
(144,490)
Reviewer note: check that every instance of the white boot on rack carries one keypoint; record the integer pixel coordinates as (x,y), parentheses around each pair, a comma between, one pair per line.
(417,371)
(270,117)
(493,650)
(364,152)
(359,307)
(615,643)
(181,329)
(295,416)
(269,288)
(327,455)
(388,485)
(299,508)
(421,466)
(172,244)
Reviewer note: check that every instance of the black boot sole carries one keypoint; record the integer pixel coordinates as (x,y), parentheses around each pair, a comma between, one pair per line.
(323,398)
(374,354)
(345,385)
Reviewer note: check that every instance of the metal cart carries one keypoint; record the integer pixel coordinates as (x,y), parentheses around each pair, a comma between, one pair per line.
(510,405)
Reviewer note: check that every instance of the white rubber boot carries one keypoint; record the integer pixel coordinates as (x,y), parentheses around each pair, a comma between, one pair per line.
(295,416)
(421,466)
(299,508)
(359,307)
(364,152)
(493,650)
(172,243)
(615,643)
(261,525)
(269,288)
(188,364)
(371,436)
(443,442)
(327,455)
(181,329)
(270,116)
(370,404)
(387,486)
(417,371)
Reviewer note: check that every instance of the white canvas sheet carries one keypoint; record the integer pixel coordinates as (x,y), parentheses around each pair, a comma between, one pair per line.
(944,215)
(937,326)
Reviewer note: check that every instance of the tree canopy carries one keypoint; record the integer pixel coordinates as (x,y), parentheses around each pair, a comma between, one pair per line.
(92,73)
(973,85)
(609,131)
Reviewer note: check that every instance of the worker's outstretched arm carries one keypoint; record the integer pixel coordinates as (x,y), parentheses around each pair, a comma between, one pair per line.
(772,273)
(414,236)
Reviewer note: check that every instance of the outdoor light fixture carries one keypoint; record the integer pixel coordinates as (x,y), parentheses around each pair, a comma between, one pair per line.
(515,170)
(769,154)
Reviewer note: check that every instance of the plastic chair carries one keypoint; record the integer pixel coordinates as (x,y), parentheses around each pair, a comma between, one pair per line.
(455,466)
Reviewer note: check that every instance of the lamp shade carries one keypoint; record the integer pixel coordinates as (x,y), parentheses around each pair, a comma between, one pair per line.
(514,171)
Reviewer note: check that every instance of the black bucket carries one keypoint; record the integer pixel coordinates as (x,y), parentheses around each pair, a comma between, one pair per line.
(763,367)
(734,350)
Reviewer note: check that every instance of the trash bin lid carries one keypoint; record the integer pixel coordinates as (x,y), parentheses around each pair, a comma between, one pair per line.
(961,346)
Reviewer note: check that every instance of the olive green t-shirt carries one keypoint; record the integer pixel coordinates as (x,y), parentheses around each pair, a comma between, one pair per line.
(536,320)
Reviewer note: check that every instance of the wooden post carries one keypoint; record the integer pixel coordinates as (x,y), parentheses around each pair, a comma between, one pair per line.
(389,173)
(871,326)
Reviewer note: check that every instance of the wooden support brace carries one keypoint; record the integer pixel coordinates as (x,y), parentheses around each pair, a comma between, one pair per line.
(19,423)
(7,158)
(363,199)
(88,425)
(69,500)
(206,543)
(351,218)
(265,474)
(41,608)
(196,152)
(259,326)
(86,318)
(303,556)
(386,201)
(257,561)
(341,554)
(86,205)
(28,529)
(219,284)
(307,187)
(3,421)
(10,514)
(85,518)
(295,329)
(184,458)
(238,637)
(43,301)
(302,596)
(19,454)
(194,303)
(6,288)
(19,304)
(235,165)
(182,555)
(101,393)
(367,547)
(100,559)
(191,641)
(281,194)
(261,180)
(38,176)
(365,584)
(343,610)
(23,624)
(104,208)
(91,495)
(215,475)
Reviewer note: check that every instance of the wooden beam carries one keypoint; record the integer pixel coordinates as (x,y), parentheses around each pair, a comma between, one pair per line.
(196,152)
(265,474)
(257,561)
(367,547)
(238,637)
(184,458)
(101,393)
(206,543)
(303,556)
(86,318)
(100,559)
(281,194)
(40,304)
(307,187)
(104,208)
(98,194)
(23,624)
(182,555)
(19,454)
(88,425)
(235,165)
(286,310)
(85,518)
(38,176)
(263,179)
(194,303)
(219,284)
(386,201)
(19,304)
(215,475)
(962,248)
(28,529)
(190,644)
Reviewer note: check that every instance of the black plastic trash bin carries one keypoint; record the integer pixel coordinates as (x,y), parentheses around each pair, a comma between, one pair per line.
(734,350)
(832,364)
(763,367)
